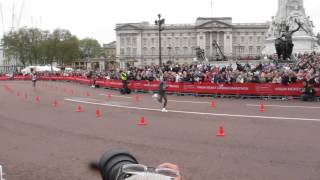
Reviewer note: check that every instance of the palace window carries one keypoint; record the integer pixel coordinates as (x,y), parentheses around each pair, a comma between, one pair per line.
(177,50)
(144,50)
(234,39)
(241,49)
(122,42)
(153,51)
(128,41)
(194,41)
(169,40)
(242,39)
(258,49)
(250,50)
(134,42)
(134,51)
(250,39)
(185,50)
(152,41)
(128,51)
(144,40)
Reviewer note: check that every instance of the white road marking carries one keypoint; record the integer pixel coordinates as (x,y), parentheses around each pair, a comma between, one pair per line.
(280,106)
(126,97)
(197,113)
(193,102)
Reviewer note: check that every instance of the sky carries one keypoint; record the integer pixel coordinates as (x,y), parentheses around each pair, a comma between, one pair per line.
(97,18)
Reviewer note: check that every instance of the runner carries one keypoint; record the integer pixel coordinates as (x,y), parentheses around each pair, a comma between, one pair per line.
(162,93)
(34,79)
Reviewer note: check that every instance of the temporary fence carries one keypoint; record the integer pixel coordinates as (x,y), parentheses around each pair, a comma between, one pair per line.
(253,89)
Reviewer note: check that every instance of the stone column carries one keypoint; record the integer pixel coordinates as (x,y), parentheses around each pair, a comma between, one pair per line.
(228,44)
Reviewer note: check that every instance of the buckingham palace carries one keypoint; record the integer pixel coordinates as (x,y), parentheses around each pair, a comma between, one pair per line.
(138,43)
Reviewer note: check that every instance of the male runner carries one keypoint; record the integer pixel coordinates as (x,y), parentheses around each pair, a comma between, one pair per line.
(34,79)
(162,93)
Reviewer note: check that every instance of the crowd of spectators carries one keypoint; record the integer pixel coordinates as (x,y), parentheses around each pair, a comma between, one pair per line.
(307,68)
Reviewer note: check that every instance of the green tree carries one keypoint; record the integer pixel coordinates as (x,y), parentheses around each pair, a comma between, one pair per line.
(318,38)
(17,45)
(90,48)
(34,46)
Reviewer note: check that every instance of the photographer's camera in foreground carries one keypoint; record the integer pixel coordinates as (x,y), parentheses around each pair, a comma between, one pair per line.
(121,165)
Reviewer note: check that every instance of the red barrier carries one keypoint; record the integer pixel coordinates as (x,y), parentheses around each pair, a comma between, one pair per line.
(4,78)
(266,89)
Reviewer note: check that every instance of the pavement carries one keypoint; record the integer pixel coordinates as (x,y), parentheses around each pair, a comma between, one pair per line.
(40,141)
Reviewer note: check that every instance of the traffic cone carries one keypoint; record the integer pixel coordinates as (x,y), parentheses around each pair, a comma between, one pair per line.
(221,132)
(109,96)
(262,109)
(98,113)
(79,109)
(137,98)
(142,122)
(55,103)
(38,99)
(213,104)
(18,94)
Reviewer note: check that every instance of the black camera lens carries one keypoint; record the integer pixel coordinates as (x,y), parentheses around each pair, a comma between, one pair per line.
(111,162)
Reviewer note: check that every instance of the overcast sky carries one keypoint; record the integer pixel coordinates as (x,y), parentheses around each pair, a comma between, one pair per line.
(97,18)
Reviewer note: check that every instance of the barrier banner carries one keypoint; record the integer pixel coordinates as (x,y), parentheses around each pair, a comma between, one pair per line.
(258,89)
(4,78)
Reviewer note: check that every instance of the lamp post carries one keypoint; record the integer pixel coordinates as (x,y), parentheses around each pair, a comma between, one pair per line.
(159,23)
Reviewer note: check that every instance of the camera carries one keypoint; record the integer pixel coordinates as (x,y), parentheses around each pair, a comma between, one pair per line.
(119,164)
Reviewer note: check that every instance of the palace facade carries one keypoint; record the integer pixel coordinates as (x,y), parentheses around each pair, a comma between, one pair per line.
(138,43)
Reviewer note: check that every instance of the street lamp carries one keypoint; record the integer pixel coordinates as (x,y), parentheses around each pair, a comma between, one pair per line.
(160,22)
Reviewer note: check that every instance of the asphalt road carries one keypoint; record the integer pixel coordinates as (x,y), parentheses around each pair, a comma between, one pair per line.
(39,141)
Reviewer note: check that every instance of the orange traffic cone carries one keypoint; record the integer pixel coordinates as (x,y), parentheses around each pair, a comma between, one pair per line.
(109,96)
(221,132)
(213,104)
(262,109)
(79,109)
(98,113)
(55,103)
(137,98)
(142,122)
(38,99)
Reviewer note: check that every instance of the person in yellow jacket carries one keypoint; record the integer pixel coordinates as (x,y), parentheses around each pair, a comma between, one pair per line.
(124,78)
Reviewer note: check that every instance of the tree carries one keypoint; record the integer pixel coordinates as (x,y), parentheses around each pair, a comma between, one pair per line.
(17,45)
(90,48)
(34,46)
(318,38)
